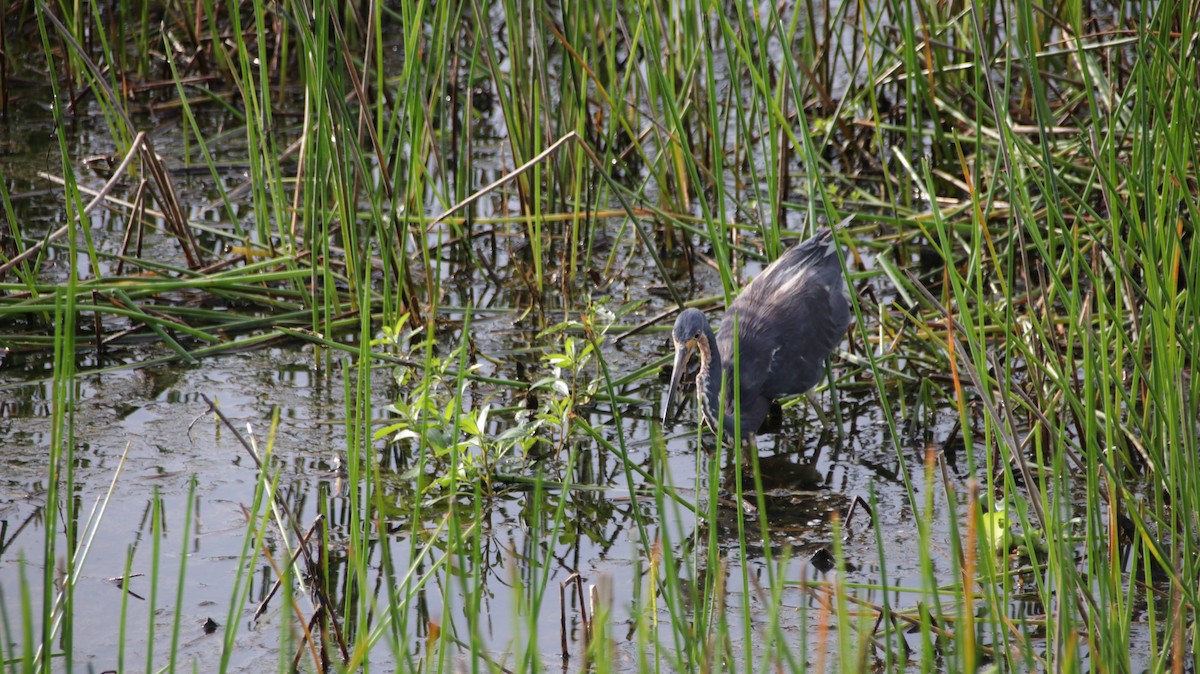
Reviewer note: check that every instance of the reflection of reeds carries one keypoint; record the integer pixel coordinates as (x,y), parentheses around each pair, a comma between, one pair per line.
(474,195)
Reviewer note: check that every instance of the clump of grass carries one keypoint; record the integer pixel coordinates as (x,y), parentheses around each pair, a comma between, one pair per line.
(1023,266)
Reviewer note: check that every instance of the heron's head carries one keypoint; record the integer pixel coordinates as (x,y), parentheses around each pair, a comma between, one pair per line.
(689,330)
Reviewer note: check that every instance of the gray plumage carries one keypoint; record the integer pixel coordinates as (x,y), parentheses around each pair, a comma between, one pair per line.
(789,320)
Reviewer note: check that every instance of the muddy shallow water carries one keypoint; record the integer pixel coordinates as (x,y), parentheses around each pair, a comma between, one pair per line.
(159,415)
(155,417)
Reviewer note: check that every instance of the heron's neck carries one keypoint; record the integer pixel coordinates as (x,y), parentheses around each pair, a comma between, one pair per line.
(708,384)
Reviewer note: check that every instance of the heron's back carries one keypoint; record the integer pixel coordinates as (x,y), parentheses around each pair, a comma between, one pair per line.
(789,320)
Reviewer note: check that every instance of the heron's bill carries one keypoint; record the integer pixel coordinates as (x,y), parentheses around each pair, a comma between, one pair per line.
(683,353)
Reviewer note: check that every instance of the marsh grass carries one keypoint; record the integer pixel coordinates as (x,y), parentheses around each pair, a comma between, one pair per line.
(1026,187)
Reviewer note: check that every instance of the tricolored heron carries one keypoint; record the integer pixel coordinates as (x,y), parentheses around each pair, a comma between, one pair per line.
(789,319)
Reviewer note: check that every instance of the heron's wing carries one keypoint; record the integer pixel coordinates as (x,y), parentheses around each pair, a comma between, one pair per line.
(755,355)
(789,320)
(783,345)
(783,276)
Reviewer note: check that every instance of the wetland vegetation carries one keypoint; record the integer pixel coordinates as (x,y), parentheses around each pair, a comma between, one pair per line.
(333,337)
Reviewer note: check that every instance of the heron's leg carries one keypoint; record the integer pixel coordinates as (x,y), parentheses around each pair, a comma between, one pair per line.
(812,400)
(750,451)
